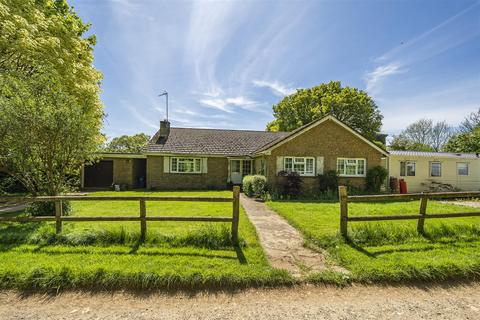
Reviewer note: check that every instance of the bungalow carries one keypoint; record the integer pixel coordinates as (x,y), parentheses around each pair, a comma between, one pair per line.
(429,171)
(186,158)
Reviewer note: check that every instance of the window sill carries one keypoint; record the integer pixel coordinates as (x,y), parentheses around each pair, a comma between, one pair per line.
(351,176)
(184,173)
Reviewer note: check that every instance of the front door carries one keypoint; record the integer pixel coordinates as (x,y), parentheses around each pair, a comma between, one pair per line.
(236,171)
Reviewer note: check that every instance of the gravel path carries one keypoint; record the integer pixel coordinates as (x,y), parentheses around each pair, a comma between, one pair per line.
(307,302)
(282,243)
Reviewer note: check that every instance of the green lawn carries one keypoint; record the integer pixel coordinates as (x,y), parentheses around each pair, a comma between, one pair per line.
(108,254)
(391,251)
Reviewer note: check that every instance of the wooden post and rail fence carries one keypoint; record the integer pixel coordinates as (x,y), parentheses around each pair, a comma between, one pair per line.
(59,218)
(345,199)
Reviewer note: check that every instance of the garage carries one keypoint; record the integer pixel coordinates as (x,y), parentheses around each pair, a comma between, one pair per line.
(98,175)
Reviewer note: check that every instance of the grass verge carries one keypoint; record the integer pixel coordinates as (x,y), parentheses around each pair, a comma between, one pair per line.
(109,255)
(390,251)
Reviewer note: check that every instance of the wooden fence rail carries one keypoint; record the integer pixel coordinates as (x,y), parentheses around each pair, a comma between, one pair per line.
(142,218)
(421,216)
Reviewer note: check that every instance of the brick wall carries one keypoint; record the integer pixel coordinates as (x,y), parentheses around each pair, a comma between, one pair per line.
(328,140)
(215,178)
(122,172)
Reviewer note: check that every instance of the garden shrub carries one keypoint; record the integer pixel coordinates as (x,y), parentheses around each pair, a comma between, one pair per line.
(328,182)
(375,178)
(47,208)
(255,185)
(9,184)
(290,184)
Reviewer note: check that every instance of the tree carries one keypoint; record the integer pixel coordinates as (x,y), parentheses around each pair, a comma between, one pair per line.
(471,122)
(423,135)
(133,144)
(468,142)
(50,109)
(350,105)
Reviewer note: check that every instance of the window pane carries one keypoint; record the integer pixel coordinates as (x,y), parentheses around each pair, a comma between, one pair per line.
(435,169)
(299,168)
(351,170)
(198,164)
(174,165)
(288,164)
(247,167)
(341,166)
(462,169)
(410,169)
(309,169)
(402,169)
(361,167)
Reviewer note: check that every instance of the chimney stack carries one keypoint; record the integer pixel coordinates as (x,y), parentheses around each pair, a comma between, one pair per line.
(164,129)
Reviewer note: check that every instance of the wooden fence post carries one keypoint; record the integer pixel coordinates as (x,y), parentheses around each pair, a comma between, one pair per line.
(342,196)
(58,215)
(236,214)
(423,212)
(143,221)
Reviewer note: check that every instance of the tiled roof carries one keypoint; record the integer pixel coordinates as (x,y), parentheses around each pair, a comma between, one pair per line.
(434,154)
(212,141)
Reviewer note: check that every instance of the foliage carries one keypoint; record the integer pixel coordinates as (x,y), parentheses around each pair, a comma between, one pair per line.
(37,209)
(255,185)
(175,255)
(50,110)
(9,184)
(471,122)
(423,135)
(289,184)
(328,182)
(131,144)
(468,142)
(391,251)
(350,105)
(375,178)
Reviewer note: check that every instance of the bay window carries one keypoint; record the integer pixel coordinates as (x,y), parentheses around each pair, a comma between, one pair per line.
(351,167)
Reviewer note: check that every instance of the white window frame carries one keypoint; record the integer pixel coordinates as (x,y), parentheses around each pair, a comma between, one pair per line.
(300,160)
(468,169)
(345,160)
(407,163)
(430,165)
(183,159)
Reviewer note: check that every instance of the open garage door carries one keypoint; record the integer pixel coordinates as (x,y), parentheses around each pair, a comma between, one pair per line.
(99,175)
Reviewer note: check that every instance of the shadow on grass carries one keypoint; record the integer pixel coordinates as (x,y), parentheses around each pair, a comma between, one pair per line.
(240,256)
(14,234)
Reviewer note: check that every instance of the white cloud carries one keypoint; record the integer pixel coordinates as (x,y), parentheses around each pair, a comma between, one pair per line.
(227,104)
(276,87)
(375,78)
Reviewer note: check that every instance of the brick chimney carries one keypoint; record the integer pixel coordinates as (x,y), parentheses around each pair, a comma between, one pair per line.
(164,129)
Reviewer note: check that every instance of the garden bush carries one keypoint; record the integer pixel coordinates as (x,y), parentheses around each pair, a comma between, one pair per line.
(328,182)
(9,184)
(255,185)
(36,209)
(289,184)
(375,178)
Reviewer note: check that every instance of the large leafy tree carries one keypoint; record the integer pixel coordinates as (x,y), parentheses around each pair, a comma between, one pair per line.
(468,142)
(50,110)
(423,135)
(350,105)
(133,143)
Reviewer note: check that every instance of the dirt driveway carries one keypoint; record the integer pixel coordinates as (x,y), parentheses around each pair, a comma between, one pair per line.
(307,302)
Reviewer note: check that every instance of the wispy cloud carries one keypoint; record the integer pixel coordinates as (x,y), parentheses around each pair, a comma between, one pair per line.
(228,104)
(276,87)
(447,35)
(137,115)
(375,78)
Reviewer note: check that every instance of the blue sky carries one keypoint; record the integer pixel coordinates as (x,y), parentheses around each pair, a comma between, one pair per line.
(225,63)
